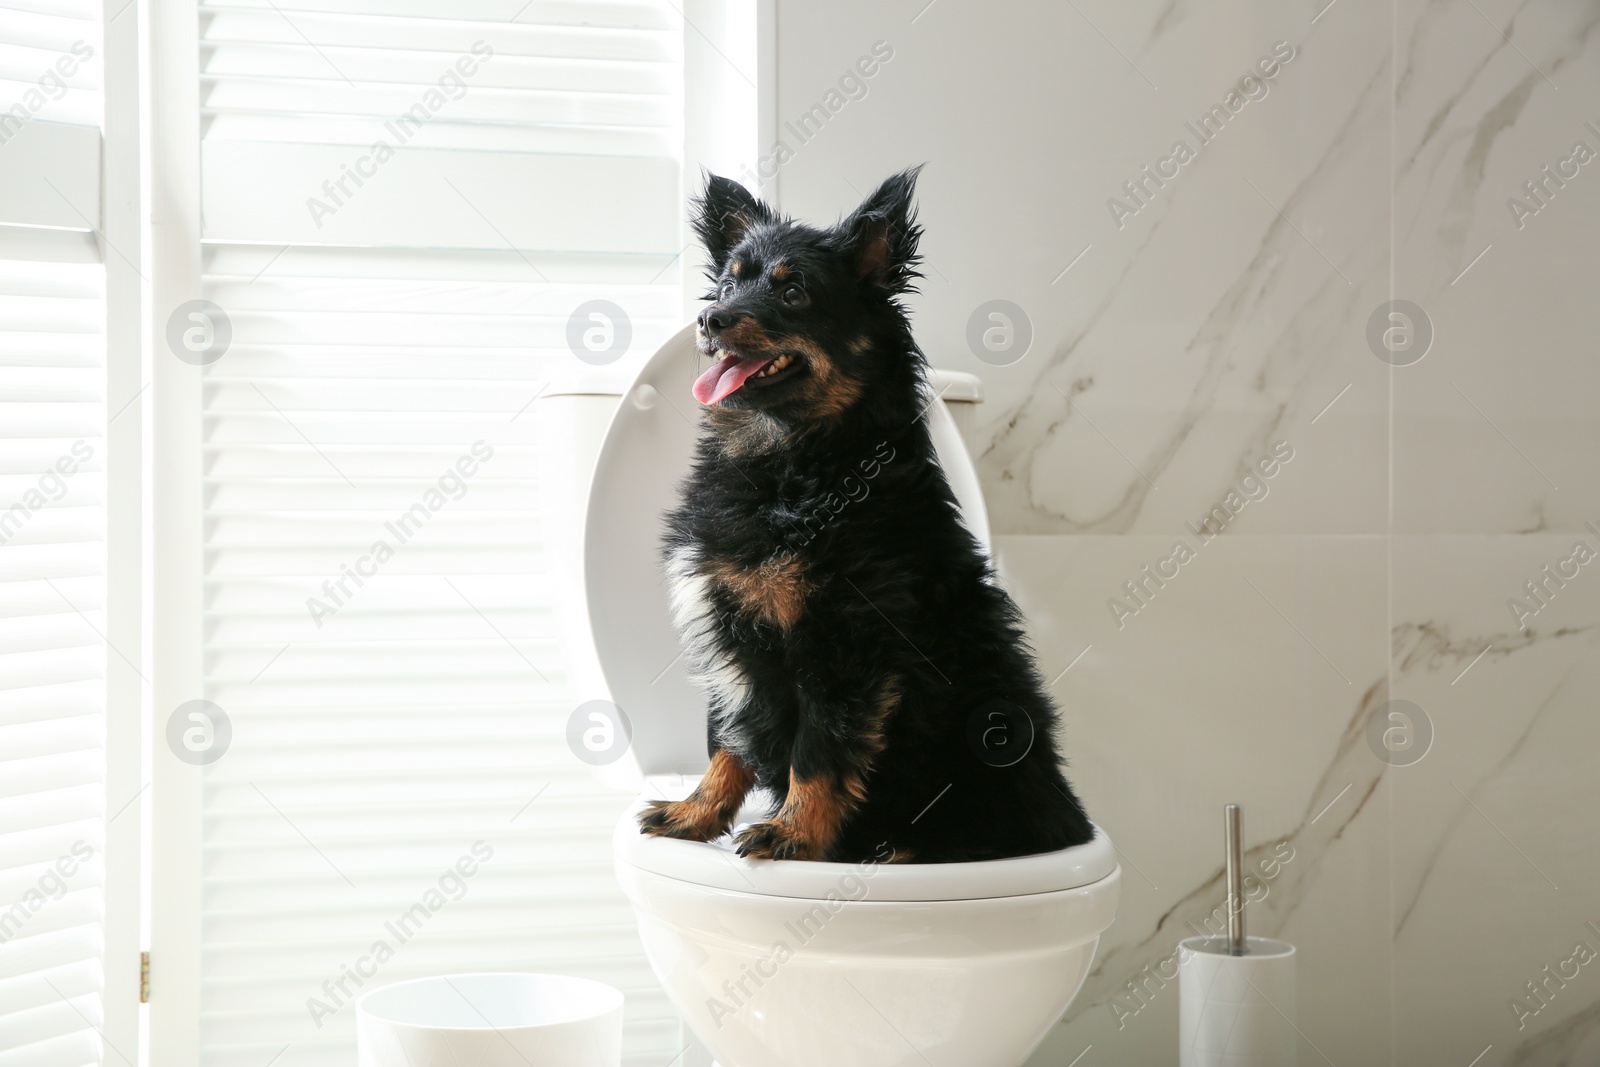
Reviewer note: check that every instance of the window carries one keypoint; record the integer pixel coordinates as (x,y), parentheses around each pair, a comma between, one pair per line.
(277,631)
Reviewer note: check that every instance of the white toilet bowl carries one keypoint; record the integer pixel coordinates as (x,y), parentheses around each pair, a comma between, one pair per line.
(790,963)
(794,964)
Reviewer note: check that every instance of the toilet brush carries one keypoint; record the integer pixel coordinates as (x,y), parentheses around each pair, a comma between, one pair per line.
(1235,993)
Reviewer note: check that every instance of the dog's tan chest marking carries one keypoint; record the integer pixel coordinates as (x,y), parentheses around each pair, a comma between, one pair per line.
(774,590)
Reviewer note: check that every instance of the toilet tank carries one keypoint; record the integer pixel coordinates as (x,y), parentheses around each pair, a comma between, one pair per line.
(573,417)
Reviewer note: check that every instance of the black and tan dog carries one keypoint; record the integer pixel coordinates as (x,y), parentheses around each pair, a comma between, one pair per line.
(863,664)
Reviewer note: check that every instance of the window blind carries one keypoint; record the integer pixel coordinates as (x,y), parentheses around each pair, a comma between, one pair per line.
(50,63)
(379,620)
(52,657)
(52,537)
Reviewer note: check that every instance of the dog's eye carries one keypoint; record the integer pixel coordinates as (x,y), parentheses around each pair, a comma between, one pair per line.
(725,290)
(793,296)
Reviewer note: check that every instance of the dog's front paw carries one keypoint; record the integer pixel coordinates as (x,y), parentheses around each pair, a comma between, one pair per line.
(775,841)
(688,820)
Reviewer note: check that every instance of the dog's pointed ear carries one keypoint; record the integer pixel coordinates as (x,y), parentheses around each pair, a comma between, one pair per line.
(882,234)
(722,215)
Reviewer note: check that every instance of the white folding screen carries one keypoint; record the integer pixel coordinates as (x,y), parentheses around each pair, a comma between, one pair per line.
(52,538)
(404,204)
(52,658)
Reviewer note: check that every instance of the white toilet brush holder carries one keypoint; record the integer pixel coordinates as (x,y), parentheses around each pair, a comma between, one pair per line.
(1236,994)
(1236,1011)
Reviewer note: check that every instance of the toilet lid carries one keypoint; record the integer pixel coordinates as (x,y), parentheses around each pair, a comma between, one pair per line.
(646,453)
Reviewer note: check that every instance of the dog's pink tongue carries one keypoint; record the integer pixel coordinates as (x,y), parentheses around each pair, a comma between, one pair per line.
(725,377)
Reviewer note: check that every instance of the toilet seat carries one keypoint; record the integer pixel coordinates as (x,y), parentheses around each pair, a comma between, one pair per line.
(715,865)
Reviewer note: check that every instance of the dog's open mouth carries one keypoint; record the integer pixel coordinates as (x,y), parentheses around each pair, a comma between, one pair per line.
(730,374)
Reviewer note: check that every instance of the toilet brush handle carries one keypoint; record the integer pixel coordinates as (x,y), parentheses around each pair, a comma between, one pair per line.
(1235,863)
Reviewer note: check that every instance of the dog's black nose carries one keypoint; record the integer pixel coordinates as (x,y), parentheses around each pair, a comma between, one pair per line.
(713,320)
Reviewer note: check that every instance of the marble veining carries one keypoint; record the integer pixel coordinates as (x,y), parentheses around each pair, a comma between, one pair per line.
(1016,461)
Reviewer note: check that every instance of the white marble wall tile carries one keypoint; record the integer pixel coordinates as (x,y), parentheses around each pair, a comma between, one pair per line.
(1224,315)
(1497,830)
(1496,429)
(1248,678)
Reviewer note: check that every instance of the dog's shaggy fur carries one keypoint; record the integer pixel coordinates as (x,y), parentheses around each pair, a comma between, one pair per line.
(862,662)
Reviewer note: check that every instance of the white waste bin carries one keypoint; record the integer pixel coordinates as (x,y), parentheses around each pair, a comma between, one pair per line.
(491,1020)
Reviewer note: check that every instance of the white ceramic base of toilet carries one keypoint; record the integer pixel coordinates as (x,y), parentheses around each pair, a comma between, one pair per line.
(827,969)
